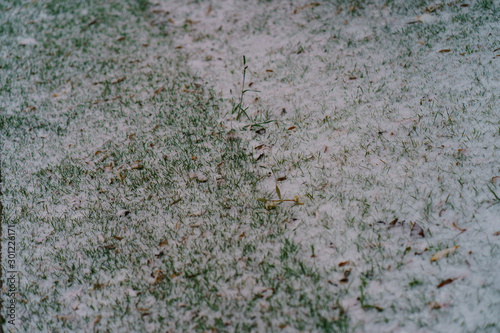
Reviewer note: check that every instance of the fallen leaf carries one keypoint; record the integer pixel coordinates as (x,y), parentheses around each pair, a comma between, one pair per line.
(392,224)
(241,236)
(197,214)
(122,212)
(160,89)
(434,306)
(416,230)
(352,77)
(343,263)
(460,229)
(291,128)
(91,22)
(117,238)
(280,179)
(119,39)
(269,70)
(261,131)
(120,79)
(120,178)
(136,165)
(496,233)
(495,180)
(442,253)
(96,320)
(444,51)
(445,282)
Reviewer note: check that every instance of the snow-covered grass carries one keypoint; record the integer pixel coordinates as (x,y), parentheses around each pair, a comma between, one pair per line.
(144,177)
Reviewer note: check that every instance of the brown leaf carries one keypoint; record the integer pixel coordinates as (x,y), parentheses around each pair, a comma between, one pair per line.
(96,320)
(119,39)
(136,165)
(280,179)
(120,79)
(392,224)
(241,236)
(352,77)
(445,282)
(343,263)
(160,89)
(442,253)
(460,229)
(496,233)
(117,238)
(444,51)
(416,230)
(91,22)
(495,180)
(291,128)
(163,243)
(269,71)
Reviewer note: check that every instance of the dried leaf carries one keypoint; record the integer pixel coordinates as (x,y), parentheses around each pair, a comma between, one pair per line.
(196,214)
(241,236)
(416,230)
(291,128)
(261,131)
(496,233)
(445,282)
(460,229)
(444,51)
(136,165)
(120,178)
(262,200)
(280,179)
(495,180)
(269,70)
(122,212)
(343,263)
(120,79)
(442,253)
(117,238)
(160,89)
(96,320)
(278,192)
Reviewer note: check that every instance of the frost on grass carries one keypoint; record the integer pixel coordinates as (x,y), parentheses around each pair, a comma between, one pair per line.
(134,187)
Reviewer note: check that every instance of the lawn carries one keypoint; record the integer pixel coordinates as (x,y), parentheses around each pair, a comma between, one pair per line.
(250,166)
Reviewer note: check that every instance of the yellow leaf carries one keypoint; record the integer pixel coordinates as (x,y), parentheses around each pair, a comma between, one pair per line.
(443,253)
(278,192)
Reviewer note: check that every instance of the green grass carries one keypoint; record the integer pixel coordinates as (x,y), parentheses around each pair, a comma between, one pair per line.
(136,204)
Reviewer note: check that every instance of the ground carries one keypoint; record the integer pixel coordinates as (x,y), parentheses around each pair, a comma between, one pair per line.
(250,165)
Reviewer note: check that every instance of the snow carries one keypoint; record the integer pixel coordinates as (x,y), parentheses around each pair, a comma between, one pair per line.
(366,121)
